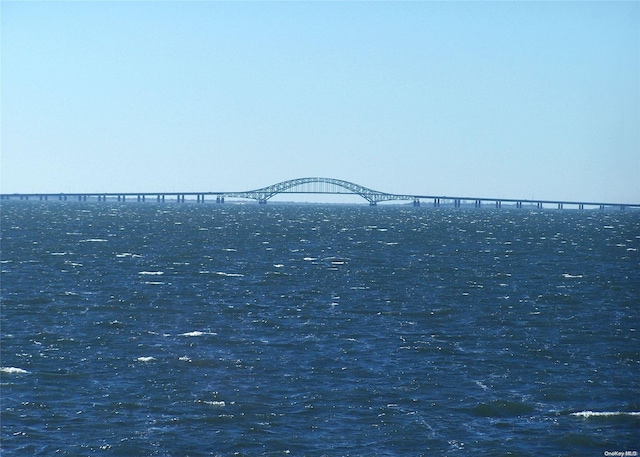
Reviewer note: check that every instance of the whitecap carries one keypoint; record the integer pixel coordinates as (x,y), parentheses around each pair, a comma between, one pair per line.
(310,258)
(12,370)
(217,404)
(154,283)
(588,414)
(94,240)
(567,275)
(278,265)
(151,273)
(197,333)
(222,273)
(145,359)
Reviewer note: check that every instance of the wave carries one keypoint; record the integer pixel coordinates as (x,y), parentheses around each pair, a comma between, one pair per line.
(151,273)
(569,276)
(217,404)
(145,359)
(12,370)
(197,333)
(588,414)
(502,408)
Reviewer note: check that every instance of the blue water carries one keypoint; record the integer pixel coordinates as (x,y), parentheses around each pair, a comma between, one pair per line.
(175,330)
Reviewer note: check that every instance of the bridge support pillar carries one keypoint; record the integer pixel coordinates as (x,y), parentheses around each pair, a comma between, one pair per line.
(436,203)
(581,206)
(416,203)
(498,204)
(559,205)
(262,202)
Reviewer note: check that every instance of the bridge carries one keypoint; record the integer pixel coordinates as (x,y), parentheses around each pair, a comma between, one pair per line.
(314,186)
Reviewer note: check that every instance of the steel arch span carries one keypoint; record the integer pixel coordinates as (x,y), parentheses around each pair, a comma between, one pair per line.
(318,186)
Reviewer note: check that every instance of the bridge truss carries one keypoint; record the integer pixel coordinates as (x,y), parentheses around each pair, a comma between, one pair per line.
(318,186)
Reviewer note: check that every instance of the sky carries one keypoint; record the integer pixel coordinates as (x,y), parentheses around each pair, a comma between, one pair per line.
(532,100)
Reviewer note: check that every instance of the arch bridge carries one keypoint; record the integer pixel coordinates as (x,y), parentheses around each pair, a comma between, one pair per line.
(314,186)
(318,186)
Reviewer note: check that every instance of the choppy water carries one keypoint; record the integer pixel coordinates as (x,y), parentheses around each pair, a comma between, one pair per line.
(174,330)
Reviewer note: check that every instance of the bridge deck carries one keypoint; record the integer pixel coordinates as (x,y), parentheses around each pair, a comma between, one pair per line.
(313,186)
(437,200)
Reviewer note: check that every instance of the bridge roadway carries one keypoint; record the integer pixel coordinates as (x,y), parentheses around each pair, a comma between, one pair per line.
(312,186)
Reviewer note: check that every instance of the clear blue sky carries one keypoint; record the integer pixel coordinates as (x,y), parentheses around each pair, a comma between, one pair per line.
(487,99)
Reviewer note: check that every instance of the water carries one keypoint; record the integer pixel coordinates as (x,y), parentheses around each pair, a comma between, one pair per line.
(171,330)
